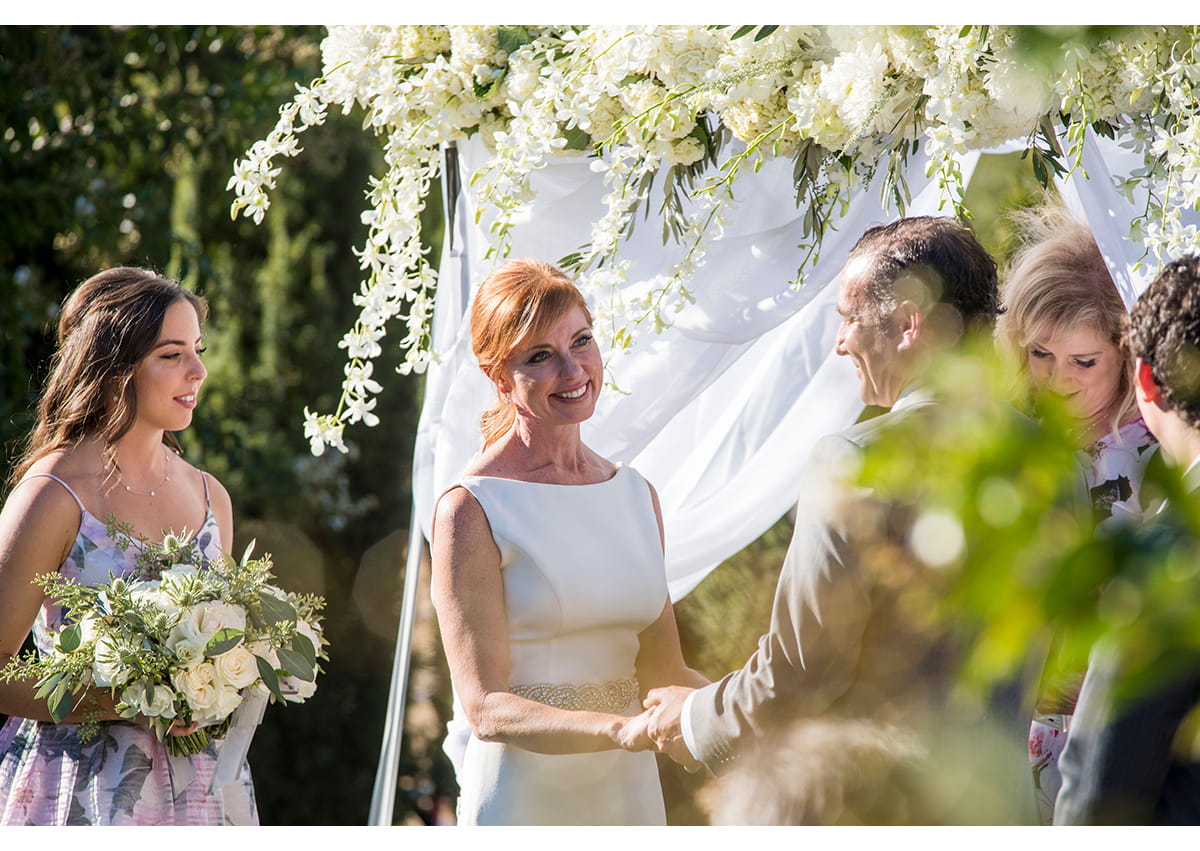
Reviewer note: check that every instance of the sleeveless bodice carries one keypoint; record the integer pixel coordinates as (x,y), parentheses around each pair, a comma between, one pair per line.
(583,574)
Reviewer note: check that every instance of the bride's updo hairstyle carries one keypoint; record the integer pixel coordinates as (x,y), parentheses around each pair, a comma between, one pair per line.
(107,326)
(519,299)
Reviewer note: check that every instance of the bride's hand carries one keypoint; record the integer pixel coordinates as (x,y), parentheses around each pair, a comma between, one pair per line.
(633,734)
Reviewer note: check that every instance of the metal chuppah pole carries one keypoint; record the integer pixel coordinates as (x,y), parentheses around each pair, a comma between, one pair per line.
(383,798)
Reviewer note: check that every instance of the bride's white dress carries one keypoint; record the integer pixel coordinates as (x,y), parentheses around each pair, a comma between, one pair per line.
(583,574)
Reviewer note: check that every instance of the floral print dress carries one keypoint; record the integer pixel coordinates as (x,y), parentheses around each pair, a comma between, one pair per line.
(122,776)
(1113,469)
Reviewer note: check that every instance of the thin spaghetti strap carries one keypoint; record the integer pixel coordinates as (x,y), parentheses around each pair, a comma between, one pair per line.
(204,478)
(74,495)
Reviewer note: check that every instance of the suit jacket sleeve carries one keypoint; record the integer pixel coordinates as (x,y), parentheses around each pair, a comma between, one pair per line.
(1118,759)
(809,655)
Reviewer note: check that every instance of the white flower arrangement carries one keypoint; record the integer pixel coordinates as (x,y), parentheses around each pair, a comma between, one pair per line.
(694,105)
(182,639)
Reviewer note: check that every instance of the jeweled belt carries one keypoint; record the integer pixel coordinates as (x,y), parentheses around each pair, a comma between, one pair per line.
(612,696)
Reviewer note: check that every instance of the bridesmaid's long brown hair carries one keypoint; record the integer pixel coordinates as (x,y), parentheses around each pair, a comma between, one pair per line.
(108,324)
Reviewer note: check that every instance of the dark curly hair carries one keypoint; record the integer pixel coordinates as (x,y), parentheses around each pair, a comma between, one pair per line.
(1163,329)
(956,270)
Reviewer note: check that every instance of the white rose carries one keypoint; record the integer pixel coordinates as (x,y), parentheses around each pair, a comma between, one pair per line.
(224,702)
(264,650)
(189,653)
(161,704)
(236,668)
(204,620)
(198,685)
(107,669)
(157,704)
(296,690)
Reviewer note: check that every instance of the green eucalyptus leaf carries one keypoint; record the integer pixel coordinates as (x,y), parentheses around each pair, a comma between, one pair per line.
(224,641)
(47,684)
(70,638)
(275,610)
(765,31)
(295,664)
(269,677)
(303,645)
(60,703)
(742,31)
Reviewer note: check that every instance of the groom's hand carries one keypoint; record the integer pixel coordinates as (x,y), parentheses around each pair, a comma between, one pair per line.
(665,708)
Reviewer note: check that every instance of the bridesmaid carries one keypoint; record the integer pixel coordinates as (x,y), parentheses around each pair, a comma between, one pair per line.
(126,373)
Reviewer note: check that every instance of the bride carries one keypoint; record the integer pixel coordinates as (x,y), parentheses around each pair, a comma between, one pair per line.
(549,580)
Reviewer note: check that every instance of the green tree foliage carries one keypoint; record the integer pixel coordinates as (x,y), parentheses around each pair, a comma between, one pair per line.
(117,147)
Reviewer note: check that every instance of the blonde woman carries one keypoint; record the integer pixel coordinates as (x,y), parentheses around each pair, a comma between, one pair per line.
(1062,326)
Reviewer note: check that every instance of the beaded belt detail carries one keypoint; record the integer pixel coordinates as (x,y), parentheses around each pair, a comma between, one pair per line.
(612,696)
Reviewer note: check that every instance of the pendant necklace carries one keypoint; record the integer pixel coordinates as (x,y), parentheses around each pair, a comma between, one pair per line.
(166,476)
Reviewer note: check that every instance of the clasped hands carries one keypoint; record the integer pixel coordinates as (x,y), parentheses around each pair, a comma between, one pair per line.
(659,727)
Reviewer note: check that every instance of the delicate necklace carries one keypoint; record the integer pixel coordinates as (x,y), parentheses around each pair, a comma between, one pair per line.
(166,476)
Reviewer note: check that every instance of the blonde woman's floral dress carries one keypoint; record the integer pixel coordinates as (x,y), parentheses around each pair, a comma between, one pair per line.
(123,776)
(1113,469)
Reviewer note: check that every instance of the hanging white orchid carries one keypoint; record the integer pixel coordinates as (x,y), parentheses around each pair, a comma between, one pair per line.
(692,106)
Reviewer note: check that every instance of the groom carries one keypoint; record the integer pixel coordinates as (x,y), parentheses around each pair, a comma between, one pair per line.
(837,646)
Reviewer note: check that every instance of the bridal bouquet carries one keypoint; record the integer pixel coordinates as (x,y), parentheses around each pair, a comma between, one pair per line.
(181,639)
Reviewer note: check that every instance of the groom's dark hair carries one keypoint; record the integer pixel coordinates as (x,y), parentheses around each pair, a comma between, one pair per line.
(944,255)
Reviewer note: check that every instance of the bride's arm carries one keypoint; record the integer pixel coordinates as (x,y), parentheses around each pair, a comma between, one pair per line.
(468,594)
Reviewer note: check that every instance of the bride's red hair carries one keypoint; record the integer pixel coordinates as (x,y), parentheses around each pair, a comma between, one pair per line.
(519,298)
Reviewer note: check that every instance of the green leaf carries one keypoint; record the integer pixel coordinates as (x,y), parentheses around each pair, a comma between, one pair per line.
(269,677)
(224,641)
(275,610)
(60,703)
(485,90)
(303,645)
(70,638)
(765,31)
(295,664)
(577,140)
(741,31)
(511,39)
(48,683)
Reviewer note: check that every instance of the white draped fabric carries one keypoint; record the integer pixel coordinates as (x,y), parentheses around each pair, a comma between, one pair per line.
(721,410)
(718,411)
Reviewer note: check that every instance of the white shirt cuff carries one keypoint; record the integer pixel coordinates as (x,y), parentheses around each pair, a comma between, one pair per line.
(685,724)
